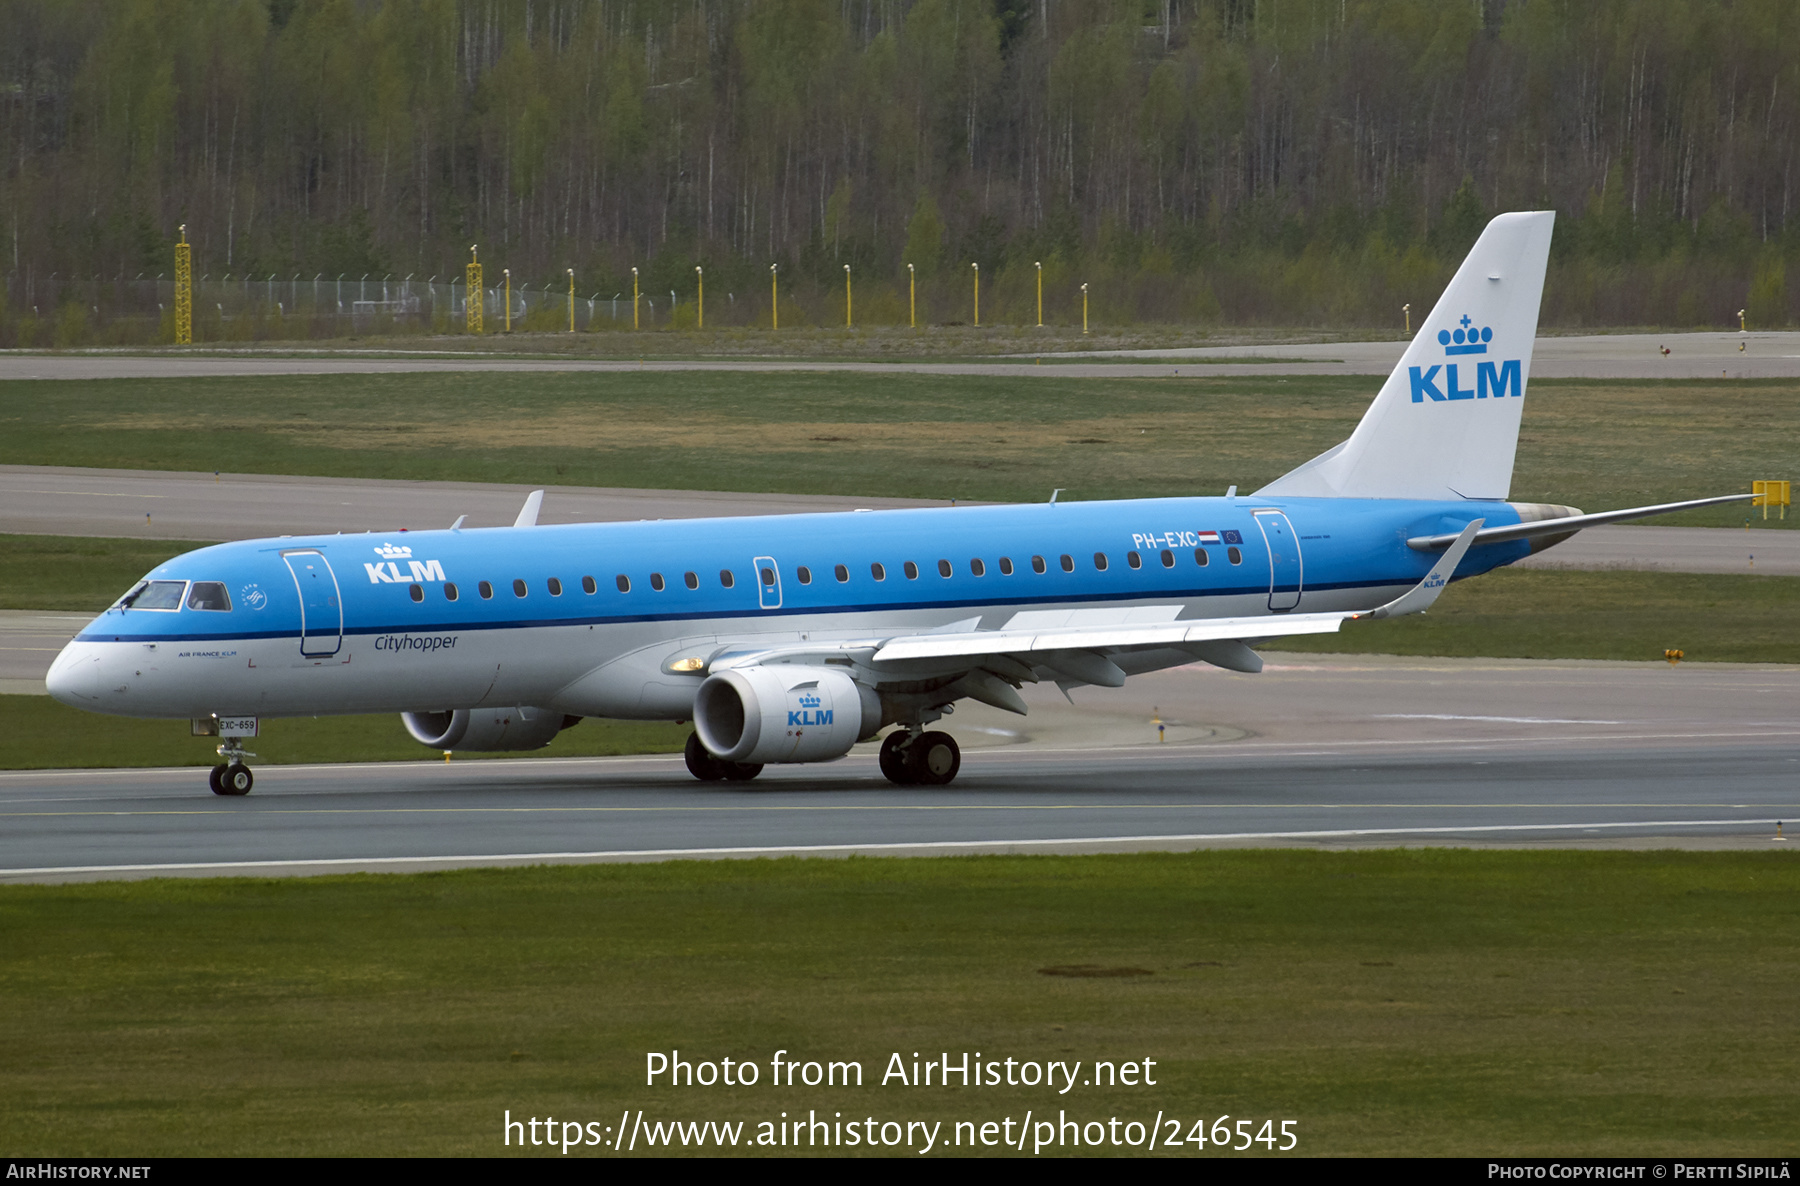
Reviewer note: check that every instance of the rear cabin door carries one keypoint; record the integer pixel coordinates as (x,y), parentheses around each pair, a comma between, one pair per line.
(1285,571)
(321,606)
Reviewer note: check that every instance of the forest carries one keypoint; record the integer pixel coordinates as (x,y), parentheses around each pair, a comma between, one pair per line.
(1214,163)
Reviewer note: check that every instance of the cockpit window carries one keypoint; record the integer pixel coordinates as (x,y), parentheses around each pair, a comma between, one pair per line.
(157,595)
(208,595)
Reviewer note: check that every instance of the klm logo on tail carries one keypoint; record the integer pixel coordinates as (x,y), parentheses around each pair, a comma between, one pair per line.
(1497,380)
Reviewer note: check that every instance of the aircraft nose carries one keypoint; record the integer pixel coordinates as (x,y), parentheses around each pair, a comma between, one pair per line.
(77,676)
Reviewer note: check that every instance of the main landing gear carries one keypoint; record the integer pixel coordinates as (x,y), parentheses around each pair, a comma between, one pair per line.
(920,759)
(703,766)
(232,777)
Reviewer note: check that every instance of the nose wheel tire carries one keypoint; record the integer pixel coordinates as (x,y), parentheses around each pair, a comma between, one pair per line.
(931,759)
(231,778)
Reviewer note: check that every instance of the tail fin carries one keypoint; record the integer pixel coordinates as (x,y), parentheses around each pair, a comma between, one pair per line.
(1446,423)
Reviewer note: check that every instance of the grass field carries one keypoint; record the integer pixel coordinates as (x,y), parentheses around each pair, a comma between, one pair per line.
(1556,614)
(1397,1002)
(1595,445)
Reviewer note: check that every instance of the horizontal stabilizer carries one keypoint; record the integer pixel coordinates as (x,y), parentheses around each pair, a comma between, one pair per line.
(1568,524)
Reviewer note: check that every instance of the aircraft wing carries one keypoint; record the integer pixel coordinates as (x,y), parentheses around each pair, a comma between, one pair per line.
(1028,632)
(1073,643)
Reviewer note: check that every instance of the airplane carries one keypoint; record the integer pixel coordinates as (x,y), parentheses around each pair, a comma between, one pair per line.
(788,639)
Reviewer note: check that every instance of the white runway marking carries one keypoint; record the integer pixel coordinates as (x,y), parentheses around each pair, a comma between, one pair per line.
(1448,716)
(901,846)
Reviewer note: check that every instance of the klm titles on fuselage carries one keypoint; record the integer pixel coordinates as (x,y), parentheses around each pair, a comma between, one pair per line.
(386,571)
(1497,380)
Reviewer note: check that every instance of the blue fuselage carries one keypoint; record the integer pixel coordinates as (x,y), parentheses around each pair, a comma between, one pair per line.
(584,617)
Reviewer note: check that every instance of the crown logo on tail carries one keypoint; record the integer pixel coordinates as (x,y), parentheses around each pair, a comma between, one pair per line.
(1466,339)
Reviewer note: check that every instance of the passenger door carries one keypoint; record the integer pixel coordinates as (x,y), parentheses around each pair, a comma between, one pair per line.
(1285,571)
(321,606)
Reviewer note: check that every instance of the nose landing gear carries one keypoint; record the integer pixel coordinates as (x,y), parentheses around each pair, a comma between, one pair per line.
(232,777)
(920,759)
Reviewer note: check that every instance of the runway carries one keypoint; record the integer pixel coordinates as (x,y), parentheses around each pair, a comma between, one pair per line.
(1590,356)
(1323,753)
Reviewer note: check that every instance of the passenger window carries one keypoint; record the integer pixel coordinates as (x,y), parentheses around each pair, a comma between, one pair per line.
(878,572)
(588,586)
(691,579)
(1168,558)
(418,594)
(803,572)
(841,573)
(912,571)
(1100,561)
(1006,566)
(485,589)
(944,568)
(208,595)
(977,567)
(1201,558)
(656,581)
(157,595)
(449,592)
(1133,559)
(555,587)
(1233,555)
(768,577)
(1038,565)
(1068,563)
(623,582)
(518,588)
(726,579)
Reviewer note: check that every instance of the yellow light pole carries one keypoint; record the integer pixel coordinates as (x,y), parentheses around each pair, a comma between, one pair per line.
(774,299)
(634,299)
(977,268)
(912,297)
(1742,328)
(1407,310)
(184,291)
(507,272)
(474,295)
(846,296)
(1084,308)
(571,300)
(700,303)
(1040,278)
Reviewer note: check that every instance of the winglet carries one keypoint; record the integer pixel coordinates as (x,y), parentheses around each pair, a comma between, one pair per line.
(529,512)
(457,526)
(1418,599)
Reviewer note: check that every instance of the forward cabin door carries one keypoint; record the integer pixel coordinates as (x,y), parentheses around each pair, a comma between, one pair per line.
(1285,570)
(321,606)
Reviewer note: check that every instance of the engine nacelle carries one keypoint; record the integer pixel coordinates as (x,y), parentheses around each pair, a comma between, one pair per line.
(486,728)
(778,713)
